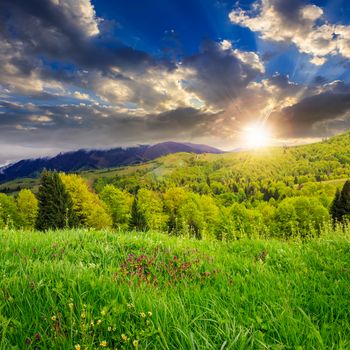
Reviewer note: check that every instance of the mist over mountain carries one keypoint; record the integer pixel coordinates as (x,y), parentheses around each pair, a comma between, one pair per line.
(99,159)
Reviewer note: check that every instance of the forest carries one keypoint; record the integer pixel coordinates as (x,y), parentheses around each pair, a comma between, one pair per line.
(276,192)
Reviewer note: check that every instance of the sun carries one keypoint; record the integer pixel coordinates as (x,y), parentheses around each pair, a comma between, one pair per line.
(256,136)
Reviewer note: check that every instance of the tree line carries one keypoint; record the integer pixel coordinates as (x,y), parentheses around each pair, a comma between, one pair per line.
(68,201)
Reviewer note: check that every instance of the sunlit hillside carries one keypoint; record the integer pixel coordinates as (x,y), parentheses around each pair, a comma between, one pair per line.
(325,162)
(277,192)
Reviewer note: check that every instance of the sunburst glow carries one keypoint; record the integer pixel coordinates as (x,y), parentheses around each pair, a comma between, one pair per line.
(256,136)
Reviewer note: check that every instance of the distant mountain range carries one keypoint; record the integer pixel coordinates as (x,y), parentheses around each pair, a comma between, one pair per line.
(98,159)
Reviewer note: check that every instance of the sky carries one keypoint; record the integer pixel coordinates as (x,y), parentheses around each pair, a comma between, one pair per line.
(99,73)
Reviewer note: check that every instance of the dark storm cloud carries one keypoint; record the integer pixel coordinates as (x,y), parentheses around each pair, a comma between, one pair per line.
(221,74)
(183,121)
(44,28)
(316,115)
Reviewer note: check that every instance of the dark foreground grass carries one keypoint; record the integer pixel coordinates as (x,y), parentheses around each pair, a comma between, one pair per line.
(95,290)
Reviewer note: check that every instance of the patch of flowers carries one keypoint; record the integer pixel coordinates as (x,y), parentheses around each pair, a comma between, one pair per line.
(169,269)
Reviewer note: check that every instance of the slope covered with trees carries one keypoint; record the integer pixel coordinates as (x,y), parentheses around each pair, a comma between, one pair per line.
(279,192)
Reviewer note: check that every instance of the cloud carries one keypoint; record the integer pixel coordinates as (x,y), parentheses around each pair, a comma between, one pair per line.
(218,74)
(321,114)
(81,96)
(299,23)
(79,13)
(66,31)
(76,126)
(88,89)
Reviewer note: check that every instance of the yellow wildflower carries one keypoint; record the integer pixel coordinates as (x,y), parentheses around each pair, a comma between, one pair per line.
(124,337)
(142,314)
(98,322)
(77,347)
(103,343)
(135,343)
(53,318)
(130,306)
(149,313)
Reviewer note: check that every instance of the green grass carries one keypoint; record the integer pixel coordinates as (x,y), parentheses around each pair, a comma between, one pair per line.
(248,294)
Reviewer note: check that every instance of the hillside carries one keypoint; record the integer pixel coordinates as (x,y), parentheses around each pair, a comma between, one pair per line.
(98,159)
(291,167)
(326,160)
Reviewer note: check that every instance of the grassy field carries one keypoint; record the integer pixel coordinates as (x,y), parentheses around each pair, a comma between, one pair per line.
(95,290)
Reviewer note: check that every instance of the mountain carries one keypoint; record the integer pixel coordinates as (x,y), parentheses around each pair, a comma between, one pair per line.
(99,159)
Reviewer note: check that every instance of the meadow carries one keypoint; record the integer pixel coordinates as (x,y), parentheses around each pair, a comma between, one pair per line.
(104,289)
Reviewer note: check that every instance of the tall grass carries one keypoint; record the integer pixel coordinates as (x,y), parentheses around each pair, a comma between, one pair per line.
(99,289)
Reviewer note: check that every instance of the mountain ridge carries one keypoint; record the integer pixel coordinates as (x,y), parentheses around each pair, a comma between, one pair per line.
(85,159)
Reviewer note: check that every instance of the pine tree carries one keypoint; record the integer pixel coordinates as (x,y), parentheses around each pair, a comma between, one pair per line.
(345,201)
(137,219)
(340,207)
(55,205)
(335,210)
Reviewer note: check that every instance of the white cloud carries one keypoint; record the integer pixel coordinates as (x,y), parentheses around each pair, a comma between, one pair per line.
(343,39)
(250,58)
(81,96)
(318,61)
(301,27)
(80,12)
(40,118)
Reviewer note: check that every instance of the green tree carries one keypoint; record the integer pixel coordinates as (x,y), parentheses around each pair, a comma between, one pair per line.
(185,212)
(300,216)
(119,205)
(27,206)
(210,212)
(174,198)
(225,227)
(340,208)
(55,205)
(87,206)
(242,219)
(335,209)
(310,214)
(8,212)
(285,220)
(191,216)
(150,205)
(137,219)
